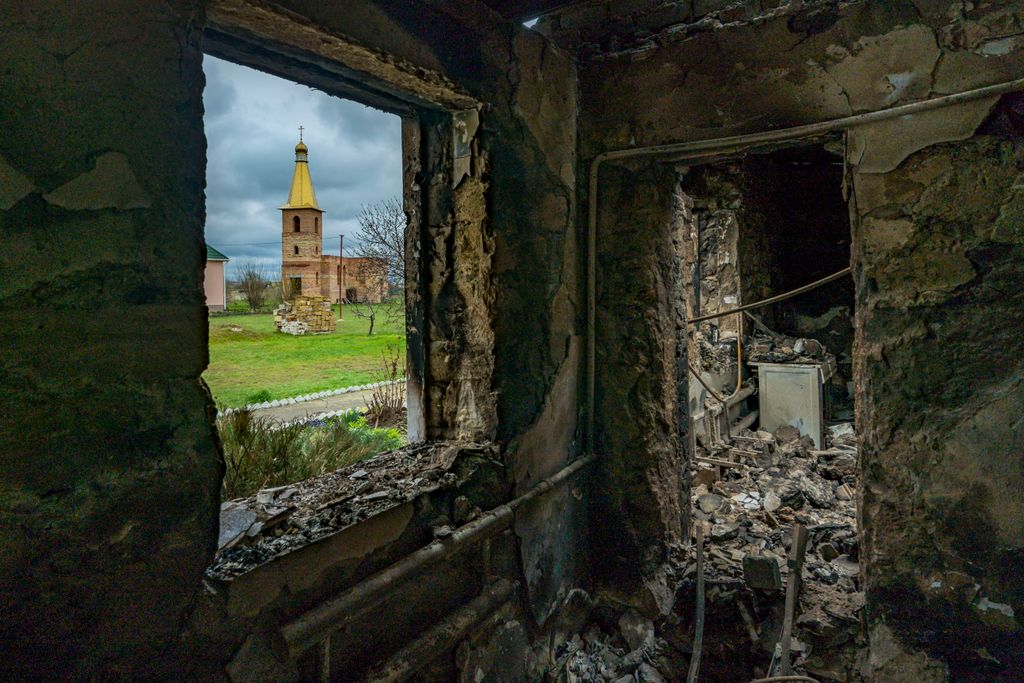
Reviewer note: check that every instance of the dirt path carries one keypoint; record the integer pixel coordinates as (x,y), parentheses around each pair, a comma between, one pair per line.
(356,399)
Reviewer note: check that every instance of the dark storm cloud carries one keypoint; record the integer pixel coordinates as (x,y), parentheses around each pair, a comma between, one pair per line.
(252,122)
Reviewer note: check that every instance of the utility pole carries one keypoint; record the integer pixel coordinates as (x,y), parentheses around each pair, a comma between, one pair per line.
(341,276)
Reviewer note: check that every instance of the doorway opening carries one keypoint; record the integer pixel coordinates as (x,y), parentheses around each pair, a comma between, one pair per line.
(770,406)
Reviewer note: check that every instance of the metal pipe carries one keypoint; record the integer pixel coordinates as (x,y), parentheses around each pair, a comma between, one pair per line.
(313,626)
(710,148)
(774,299)
(795,563)
(739,351)
(743,393)
(443,635)
(745,421)
(700,379)
(698,625)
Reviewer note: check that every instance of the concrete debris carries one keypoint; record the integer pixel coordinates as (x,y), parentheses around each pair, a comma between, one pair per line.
(764,348)
(293,516)
(786,481)
(601,657)
(637,629)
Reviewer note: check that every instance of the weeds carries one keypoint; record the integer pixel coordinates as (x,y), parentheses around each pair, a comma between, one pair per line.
(386,405)
(259,453)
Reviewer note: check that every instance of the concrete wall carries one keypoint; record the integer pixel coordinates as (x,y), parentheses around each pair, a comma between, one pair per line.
(214,285)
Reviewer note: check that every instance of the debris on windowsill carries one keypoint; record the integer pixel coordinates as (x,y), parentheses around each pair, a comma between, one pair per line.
(278,520)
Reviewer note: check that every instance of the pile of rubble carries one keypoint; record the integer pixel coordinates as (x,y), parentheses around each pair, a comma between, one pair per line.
(748,509)
(629,651)
(278,520)
(776,348)
(305,314)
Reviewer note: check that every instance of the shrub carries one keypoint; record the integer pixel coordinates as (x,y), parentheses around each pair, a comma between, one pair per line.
(386,404)
(260,396)
(259,453)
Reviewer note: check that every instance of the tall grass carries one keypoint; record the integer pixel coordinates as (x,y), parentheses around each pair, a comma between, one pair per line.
(258,453)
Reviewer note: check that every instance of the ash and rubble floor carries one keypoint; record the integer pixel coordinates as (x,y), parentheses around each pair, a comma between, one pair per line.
(279,520)
(748,512)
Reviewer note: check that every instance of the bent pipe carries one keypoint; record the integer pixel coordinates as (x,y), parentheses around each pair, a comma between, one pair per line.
(316,625)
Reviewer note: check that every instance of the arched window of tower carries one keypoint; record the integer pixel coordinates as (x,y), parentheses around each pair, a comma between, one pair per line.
(316,224)
(295,224)
(296,247)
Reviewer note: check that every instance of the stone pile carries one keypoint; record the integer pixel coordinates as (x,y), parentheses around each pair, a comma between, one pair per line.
(777,348)
(305,314)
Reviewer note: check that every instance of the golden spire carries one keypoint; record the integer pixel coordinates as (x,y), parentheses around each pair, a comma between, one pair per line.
(301,195)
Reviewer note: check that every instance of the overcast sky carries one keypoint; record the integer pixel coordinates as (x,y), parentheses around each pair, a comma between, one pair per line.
(252,125)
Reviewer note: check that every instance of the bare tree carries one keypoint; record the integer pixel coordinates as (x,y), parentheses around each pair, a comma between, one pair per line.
(381,241)
(381,250)
(252,281)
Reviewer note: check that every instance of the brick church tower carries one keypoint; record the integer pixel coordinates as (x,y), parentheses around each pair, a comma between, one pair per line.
(302,262)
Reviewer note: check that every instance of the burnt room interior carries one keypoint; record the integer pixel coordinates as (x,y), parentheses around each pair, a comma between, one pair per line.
(714,363)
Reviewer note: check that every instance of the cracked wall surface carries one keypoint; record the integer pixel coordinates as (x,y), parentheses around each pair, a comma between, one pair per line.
(825,61)
(938,251)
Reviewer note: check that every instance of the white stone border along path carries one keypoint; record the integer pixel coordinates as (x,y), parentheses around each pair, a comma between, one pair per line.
(310,397)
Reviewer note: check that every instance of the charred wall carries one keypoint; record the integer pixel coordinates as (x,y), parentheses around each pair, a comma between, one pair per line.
(108,514)
(111,471)
(938,254)
(641,491)
(934,240)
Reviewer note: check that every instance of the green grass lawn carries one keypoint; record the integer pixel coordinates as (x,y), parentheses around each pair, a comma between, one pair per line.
(248,356)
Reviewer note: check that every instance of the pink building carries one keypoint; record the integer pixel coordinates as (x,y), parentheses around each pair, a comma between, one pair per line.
(214,280)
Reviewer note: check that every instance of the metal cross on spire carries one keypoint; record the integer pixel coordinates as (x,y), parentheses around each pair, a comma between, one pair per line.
(300,133)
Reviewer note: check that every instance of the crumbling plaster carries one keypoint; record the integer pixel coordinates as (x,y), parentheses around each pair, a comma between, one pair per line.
(825,61)
(938,386)
(640,491)
(111,472)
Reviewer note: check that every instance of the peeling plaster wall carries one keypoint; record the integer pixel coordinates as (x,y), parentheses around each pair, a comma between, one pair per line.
(938,252)
(829,60)
(110,477)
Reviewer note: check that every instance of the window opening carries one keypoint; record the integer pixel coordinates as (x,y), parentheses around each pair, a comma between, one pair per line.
(299,319)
